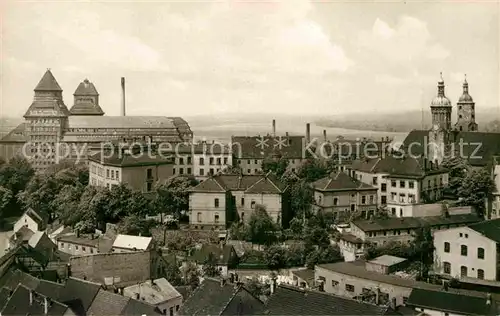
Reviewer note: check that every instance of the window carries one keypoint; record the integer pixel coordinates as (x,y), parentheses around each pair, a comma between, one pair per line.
(218,161)
(353,207)
(107,173)
(349,288)
(171,311)
(393,183)
(383,200)
(181,161)
(242,201)
(91,250)
(371,199)
(176,307)
(446,246)
(112,174)
(149,173)
(225,160)
(446,267)
(216,203)
(393,211)
(335,283)
(211,170)
(202,172)
(188,160)
(411,198)
(393,196)
(480,274)
(480,253)
(335,201)
(211,161)
(375,180)
(383,187)
(463,250)
(181,170)
(252,204)
(363,199)
(117,174)
(198,217)
(202,161)
(188,171)
(149,186)
(76,247)
(402,184)
(411,184)
(463,271)
(216,218)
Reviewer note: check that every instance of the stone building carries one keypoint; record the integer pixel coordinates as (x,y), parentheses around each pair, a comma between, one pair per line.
(52,133)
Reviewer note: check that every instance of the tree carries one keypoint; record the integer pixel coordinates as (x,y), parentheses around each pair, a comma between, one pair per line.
(191,275)
(257,288)
(210,266)
(275,257)
(458,169)
(328,254)
(5,199)
(301,196)
(276,166)
(14,176)
(135,225)
(262,229)
(475,189)
(67,202)
(423,249)
(172,197)
(312,170)
(172,273)
(296,255)
(40,194)
(238,231)
(316,236)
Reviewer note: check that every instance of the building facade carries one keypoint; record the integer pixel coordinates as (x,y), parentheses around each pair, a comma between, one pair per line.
(344,196)
(202,159)
(222,199)
(493,202)
(52,133)
(468,252)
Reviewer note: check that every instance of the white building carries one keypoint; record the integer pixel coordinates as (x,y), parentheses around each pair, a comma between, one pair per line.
(468,252)
(32,220)
(159,293)
(202,159)
(129,243)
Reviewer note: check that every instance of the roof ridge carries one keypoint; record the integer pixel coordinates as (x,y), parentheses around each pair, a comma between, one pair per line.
(261,179)
(328,184)
(272,182)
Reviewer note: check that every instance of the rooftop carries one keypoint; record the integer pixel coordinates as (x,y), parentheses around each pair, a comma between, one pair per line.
(153,292)
(293,301)
(127,160)
(340,181)
(387,260)
(489,229)
(394,223)
(405,166)
(48,83)
(222,254)
(132,242)
(245,147)
(268,183)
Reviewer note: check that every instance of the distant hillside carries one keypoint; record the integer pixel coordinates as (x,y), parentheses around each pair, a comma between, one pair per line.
(8,123)
(488,120)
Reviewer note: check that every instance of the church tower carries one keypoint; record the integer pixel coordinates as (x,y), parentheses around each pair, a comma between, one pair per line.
(86,100)
(466,120)
(439,135)
(45,120)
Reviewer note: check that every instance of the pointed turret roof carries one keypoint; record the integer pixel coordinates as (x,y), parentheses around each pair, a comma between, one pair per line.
(48,83)
(86,88)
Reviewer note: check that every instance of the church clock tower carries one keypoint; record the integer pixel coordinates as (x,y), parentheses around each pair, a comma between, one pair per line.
(466,120)
(439,135)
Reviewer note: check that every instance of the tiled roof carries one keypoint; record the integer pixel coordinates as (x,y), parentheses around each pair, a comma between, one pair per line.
(293,301)
(17,135)
(127,160)
(489,229)
(212,298)
(19,304)
(450,302)
(221,254)
(414,222)
(487,144)
(396,166)
(86,108)
(86,88)
(248,147)
(137,308)
(79,294)
(107,303)
(351,238)
(153,293)
(340,181)
(48,83)
(249,183)
(110,122)
(132,242)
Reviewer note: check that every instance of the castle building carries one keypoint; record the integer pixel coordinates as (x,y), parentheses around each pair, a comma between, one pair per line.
(445,139)
(52,133)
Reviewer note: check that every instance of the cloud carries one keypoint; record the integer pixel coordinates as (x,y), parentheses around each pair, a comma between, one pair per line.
(408,41)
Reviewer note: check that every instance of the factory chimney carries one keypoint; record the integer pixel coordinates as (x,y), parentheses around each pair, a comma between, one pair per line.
(123,96)
(274,128)
(308,133)
(324,135)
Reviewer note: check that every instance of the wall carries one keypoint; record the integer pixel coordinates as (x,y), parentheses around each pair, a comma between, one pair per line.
(399,292)
(172,305)
(130,267)
(472,240)
(350,251)
(203,170)
(75,249)
(342,202)
(27,221)
(136,176)
(272,202)
(367,178)
(203,211)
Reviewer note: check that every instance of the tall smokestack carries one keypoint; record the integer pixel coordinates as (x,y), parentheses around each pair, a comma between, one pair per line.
(308,133)
(274,128)
(324,135)
(123,96)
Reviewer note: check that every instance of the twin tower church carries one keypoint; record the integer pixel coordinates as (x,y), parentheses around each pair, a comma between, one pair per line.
(445,138)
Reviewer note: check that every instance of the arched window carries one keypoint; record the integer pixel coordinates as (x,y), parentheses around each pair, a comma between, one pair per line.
(463,271)
(216,218)
(480,274)
(446,267)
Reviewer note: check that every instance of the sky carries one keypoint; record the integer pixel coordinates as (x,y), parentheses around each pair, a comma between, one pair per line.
(210,57)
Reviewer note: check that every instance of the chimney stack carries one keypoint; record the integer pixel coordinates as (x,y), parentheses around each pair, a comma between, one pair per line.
(308,133)
(324,135)
(274,128)
(123,96)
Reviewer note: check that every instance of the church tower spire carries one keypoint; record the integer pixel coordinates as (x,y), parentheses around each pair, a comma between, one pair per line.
(441,123)
(466,111)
